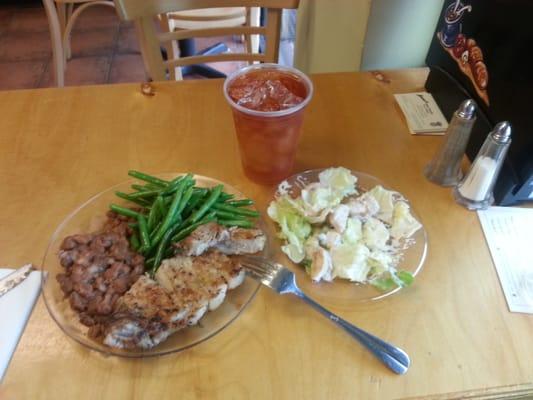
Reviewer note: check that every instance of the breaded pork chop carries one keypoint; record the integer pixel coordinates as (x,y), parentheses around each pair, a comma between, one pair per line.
(232,240)
(145,316)
(183,290)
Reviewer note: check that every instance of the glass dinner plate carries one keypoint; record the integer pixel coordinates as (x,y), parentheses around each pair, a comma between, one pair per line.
(87,218)
(342,293)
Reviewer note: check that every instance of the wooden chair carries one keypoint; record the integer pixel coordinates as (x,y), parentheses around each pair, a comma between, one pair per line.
(143,12)
(62,15)
(222,17)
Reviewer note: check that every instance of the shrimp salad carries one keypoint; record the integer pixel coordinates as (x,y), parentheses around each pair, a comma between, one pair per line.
(335,230)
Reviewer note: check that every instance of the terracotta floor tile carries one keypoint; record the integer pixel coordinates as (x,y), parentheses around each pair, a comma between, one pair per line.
(127,41)
(20,75)
(81,71)
(25,46)
(29,20)
(93,42)
(127,68)
(5,19)
(97,17)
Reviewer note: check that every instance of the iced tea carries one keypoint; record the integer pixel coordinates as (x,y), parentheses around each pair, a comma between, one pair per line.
(268,102)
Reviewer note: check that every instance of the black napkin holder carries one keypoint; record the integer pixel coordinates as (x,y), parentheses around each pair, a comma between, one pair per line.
(485,53)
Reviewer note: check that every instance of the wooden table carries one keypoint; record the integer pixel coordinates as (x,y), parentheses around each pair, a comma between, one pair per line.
(58,147)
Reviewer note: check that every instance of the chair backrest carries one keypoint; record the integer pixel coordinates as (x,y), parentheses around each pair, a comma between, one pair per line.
(143,13)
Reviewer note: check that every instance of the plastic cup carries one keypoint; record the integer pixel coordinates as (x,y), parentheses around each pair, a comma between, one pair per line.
(268,140)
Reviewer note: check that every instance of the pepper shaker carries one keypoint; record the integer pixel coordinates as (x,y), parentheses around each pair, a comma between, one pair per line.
(475,190)
(445,167)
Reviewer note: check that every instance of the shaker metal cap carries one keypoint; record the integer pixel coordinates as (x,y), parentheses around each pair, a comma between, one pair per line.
(502,132)
(467,109)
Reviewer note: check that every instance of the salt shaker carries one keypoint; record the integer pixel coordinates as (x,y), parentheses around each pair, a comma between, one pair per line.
(475,190)
(445,167)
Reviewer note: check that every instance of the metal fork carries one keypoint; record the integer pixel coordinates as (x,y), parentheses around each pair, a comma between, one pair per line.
(283,281)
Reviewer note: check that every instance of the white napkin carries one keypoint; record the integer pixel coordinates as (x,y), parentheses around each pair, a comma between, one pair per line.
(15,310)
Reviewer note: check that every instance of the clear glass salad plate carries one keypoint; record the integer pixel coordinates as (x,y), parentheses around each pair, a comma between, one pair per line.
(342,293)
(89,217)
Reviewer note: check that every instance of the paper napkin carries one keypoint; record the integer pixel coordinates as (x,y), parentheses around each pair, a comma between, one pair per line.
(15,310)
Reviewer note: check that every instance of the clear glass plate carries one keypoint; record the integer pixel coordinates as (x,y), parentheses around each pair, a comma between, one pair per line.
(89,217)
(342,293)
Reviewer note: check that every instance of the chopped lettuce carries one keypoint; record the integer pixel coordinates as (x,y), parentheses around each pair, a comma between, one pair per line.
(385,198)
(353,232)
(379,261)
(392,279)
(294,228)
(349,262)
(375,234)
(403,222)
(330,244)
(340,180)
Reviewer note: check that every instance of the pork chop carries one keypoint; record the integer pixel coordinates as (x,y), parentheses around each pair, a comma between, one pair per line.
(184,289)
(145,316)
(229,241)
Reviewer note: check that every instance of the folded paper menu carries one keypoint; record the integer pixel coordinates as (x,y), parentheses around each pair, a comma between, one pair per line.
(422,113)
(15,310)
(508,234)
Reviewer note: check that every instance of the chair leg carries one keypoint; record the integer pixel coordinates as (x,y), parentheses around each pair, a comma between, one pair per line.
(73,18)
(58,55)
(63,19)
(70,10)
(171,47)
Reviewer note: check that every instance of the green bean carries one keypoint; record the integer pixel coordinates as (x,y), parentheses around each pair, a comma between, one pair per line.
(240,203)
(225,196)
(125,196)
(124,211)
(208,203)
(148,178)
(163,246)
(185,199)
(236,210)
(175,183)
(143,230)
(133,225)
(139,188)
(243,223)
(201,191)
(189,229)
(151,186)
(142,195)
(228,215)
(172,186)
(149,263)
(154,231)
(193,202)
(153,216)
(161,206)
(170,215)
(134,242)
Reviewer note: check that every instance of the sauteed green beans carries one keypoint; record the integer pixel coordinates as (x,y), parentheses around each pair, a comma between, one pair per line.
(166,212)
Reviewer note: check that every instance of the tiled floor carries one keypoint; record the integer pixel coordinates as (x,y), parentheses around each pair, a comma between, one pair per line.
(104,50)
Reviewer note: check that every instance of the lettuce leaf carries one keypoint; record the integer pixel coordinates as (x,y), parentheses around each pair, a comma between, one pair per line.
(340,180)
(294,228)
(392,280)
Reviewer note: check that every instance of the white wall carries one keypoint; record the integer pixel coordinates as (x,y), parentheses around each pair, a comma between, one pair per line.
(399,33)
(330,35)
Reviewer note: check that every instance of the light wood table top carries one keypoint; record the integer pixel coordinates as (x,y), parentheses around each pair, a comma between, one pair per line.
(60,146)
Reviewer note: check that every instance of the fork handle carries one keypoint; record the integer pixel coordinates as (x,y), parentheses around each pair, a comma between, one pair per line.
(393,357)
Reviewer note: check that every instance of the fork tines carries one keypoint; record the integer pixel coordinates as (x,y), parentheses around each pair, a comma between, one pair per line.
(259,267)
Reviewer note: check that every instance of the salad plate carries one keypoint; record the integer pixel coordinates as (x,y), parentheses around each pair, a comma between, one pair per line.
(88,217)
(343,292)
